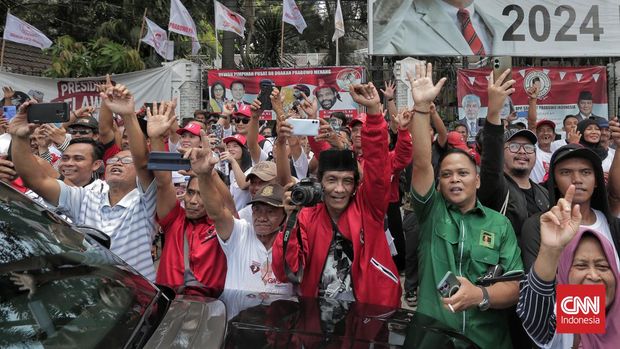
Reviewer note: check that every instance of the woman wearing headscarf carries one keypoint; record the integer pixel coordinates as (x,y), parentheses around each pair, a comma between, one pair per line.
(590,132)
(570,255)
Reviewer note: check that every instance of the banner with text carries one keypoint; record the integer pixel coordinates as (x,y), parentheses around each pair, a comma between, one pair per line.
(503,27)
(560,89)
(329,85)
(146,86)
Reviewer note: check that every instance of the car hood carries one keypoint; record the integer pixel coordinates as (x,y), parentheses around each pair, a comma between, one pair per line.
(259,320)
(191,322)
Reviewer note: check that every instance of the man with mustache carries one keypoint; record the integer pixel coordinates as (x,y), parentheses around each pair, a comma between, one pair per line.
(505,175)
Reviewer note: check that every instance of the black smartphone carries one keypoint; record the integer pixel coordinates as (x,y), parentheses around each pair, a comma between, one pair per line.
(266,87)
(165,161)
(48,113)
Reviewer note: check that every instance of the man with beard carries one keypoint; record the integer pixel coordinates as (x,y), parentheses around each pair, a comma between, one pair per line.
(191,255)
(327,96)
(126,211)
(504,175)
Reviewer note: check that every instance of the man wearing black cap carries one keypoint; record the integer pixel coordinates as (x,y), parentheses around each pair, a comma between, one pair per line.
(338,248)
(504,175)
(247,245)
(575,165)
(85,128)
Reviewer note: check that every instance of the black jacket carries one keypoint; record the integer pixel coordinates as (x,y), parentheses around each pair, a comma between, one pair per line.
(529,240)
(495,184)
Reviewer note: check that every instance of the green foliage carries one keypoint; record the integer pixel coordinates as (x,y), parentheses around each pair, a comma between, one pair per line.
(97,57)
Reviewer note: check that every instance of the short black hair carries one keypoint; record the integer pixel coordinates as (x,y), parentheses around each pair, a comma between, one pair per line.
(237,82)
(457,151)
(568,117)
(97,146)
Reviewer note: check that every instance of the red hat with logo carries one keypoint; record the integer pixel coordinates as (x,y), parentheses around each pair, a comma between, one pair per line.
(243,110)
(546,122)
(192,128)
(239,138)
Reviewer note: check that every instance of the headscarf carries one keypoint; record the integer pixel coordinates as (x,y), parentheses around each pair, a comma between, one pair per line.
(611,337)
(596,147)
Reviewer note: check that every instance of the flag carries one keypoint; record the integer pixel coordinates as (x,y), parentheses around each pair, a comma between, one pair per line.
(19,31)
(338,23)
(292,15)
(157,38)
(225,19)
(181,22)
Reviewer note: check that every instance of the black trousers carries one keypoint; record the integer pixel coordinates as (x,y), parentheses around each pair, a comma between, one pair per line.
(412,231)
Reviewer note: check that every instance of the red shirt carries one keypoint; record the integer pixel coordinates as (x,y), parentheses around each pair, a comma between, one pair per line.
(206,258)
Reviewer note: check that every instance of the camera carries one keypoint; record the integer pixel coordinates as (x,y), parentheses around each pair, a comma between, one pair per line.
(306,193)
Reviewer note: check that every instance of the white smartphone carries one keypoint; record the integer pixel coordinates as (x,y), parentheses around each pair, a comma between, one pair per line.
(305,127)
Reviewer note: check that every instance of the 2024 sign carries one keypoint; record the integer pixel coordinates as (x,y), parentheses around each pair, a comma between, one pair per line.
(590,25)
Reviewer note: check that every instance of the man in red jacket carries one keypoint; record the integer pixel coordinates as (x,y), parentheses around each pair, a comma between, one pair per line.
(338,248)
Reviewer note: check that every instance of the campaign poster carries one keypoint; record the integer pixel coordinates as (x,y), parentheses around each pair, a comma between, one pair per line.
(571,28)
(561,91)
(328,85)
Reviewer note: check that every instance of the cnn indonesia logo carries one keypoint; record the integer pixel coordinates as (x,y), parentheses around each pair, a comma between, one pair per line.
(580,309)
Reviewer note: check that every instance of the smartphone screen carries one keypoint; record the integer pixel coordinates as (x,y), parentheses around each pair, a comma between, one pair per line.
(9,112)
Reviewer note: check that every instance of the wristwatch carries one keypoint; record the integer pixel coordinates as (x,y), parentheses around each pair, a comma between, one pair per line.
(484,305)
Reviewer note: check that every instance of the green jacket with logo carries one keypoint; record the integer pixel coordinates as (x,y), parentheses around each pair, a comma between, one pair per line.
(466,244)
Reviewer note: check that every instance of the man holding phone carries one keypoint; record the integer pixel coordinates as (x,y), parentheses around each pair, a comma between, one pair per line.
(457,234)
(126,211)
(184,225)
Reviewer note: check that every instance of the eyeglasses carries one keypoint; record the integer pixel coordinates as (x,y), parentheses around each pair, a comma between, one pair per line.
(514,147)
(125,161)
(245,121)
(80,132)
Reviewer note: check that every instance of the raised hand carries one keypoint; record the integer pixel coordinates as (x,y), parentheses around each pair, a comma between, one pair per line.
(310,107)
(532,92)
(256,108)
(228,108)
(284,129)
(55,134)
(574,136)
(160,122)
(497,92)
(202,159)
(277,101)
(19,126)
(423,90)
(389,90)
(365,95)
(405,117)
(119,100)
(560,224)
(8,92)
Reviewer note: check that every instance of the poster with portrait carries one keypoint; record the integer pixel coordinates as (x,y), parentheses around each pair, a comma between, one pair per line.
(494,27)
(328,85)
(563,91)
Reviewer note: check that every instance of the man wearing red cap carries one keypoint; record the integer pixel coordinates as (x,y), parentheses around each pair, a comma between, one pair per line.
(190,135)
(545,132)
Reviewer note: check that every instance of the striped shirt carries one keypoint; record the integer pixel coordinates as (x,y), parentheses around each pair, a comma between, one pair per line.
(130,223)
(536,309)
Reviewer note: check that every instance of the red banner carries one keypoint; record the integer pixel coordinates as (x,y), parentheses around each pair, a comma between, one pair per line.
(560,91)
(329,85)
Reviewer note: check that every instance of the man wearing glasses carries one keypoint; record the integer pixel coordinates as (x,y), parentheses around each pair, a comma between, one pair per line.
(85,128)
(126,211)
(505,175)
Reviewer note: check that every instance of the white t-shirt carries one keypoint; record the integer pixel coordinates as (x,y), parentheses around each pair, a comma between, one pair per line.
(541,167)
(555,145)
(602,226)
(249,262)
(608,160)
(246,214)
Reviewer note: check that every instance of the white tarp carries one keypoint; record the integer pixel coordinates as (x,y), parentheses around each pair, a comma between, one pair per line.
(147,86)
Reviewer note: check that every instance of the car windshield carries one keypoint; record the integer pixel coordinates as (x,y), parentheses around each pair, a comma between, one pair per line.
(57,289)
